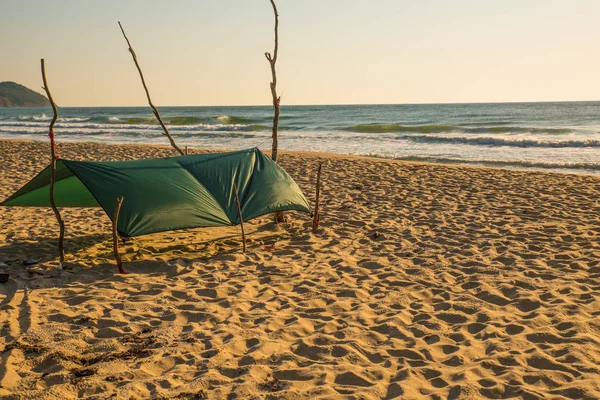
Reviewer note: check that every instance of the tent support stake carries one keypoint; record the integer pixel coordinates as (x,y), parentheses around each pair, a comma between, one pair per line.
(116,235)
(239,207)
(317,215)
(54,153)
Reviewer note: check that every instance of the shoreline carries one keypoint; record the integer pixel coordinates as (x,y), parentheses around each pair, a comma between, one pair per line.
(317,154)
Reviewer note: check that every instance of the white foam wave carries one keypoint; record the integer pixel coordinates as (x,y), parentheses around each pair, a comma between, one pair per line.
(42,117)
(588,166)
(501,141)
(73,119)
(29,125)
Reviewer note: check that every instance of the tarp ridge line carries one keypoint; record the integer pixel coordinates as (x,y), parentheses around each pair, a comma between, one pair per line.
(245,194)
(205,188)
(217,155)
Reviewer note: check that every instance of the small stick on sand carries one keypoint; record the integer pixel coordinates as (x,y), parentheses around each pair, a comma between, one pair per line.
(239,207)
(54,153)
(316,215)
(154,110)
(116,234)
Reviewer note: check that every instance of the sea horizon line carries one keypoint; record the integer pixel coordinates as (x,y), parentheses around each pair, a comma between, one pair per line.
(323,105)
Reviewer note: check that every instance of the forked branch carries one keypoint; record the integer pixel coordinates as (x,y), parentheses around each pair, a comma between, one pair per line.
(154,110)
(272,59)
(276,99)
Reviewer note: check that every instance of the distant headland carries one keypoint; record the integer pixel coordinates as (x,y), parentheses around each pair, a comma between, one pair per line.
(14,95)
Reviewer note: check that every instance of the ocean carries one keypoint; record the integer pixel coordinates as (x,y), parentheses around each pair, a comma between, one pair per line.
(560,137)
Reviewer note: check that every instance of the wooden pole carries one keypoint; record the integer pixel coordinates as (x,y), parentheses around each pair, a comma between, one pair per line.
(239,207)
(278,217)
(317,215)
(276,99)
(115,233)
(154,110)
(55,156)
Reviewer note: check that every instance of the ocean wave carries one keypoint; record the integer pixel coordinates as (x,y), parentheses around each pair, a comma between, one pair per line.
(176,120)
(494,141)
(396,128)
(186,120)
(73,119)
(391,128)
(42,117)
(498,163)
(124,129)
(149,120)
(233,120)
(138,121)
(519,129)
(131,137)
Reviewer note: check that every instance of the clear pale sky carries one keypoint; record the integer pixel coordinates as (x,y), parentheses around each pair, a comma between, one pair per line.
(211,52)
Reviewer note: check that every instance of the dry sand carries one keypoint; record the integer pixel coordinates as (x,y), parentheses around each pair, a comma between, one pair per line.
(426,281)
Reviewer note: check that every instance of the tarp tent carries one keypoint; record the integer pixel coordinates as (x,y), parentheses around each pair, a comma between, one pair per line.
(166,194)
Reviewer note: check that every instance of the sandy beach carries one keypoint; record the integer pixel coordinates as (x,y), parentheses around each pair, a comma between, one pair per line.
(425,281)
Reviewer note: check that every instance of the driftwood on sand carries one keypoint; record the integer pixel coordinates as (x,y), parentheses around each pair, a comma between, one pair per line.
(55,156)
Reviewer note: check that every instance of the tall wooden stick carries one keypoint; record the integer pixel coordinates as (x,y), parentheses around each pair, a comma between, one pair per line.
(115,221)
(54,154)
(154,110)
(317,215)
(239,207)
(276,99)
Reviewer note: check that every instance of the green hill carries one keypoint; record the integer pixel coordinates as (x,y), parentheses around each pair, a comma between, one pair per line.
(14,95)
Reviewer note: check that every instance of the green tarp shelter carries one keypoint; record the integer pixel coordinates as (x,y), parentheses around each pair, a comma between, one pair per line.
(166,194)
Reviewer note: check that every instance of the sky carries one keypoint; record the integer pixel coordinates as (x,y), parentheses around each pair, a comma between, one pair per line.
(211,52)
